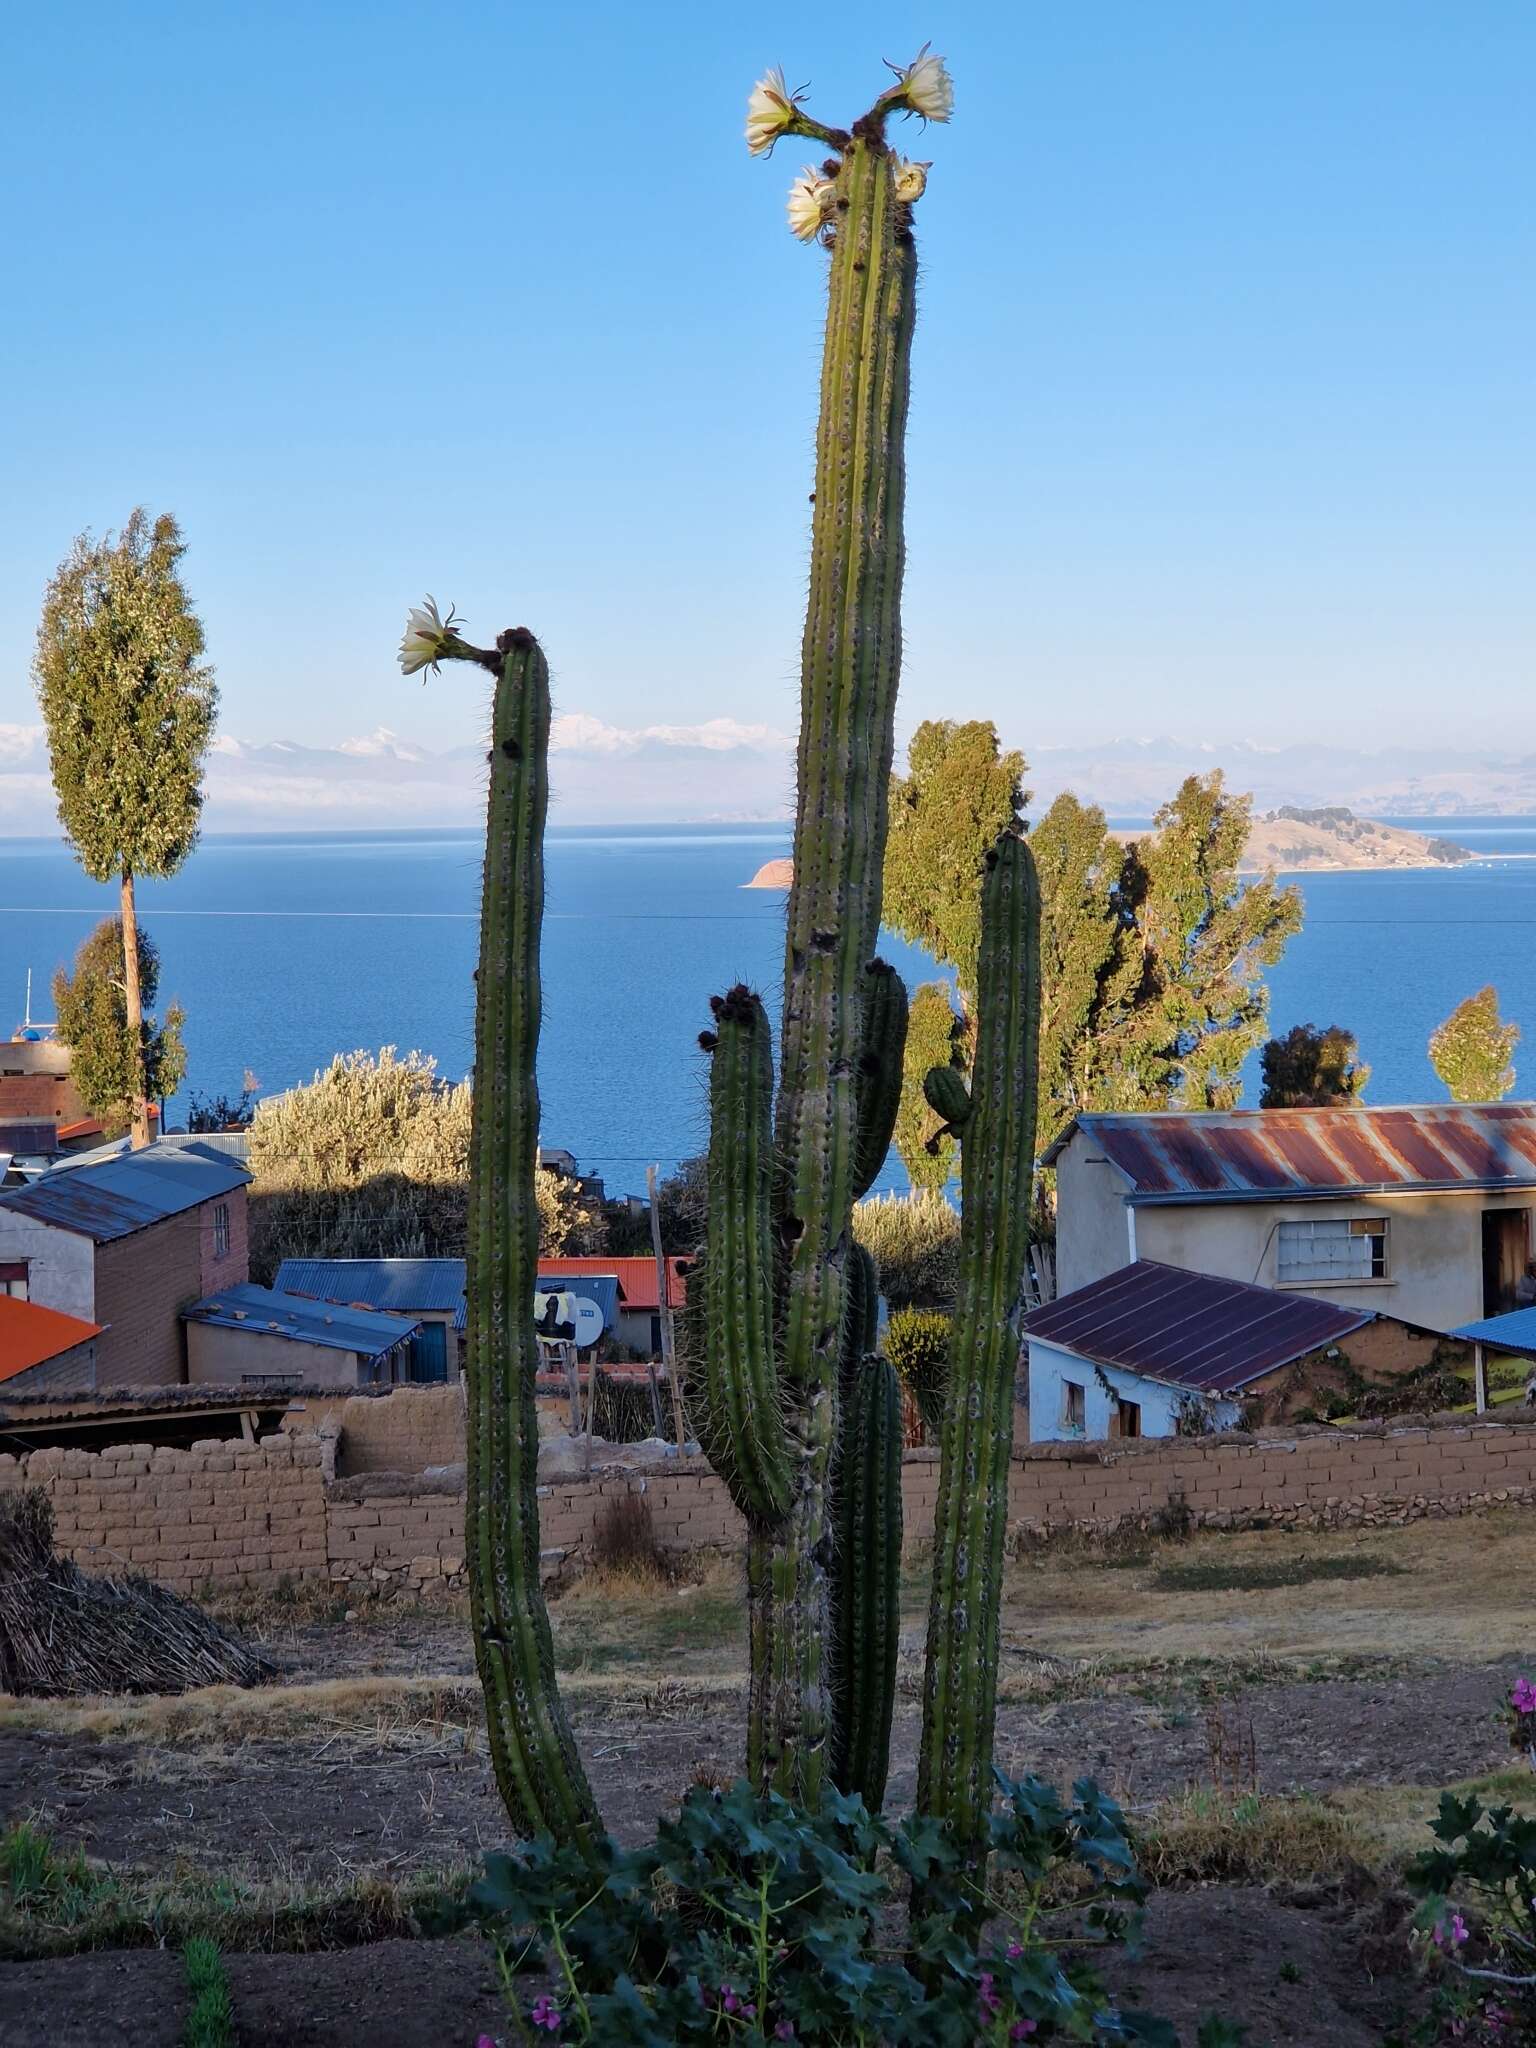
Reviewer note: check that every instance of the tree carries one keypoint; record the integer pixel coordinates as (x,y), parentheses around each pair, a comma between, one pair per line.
(1471,1051)
(935,1038)
(1085,951)
(959,791)
(129,709)
(1184,1001)
(1312,1069)
(113,1066)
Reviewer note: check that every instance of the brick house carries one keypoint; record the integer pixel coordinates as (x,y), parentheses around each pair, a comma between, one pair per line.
(126,1243)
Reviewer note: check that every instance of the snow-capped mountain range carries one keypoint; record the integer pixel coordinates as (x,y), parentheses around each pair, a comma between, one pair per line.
(724,769)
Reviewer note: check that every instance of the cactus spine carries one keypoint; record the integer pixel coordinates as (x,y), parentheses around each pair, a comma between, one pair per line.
(997,1154)
(538,1771)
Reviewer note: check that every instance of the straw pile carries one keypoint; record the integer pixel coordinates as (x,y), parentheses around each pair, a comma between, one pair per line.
(62,1632)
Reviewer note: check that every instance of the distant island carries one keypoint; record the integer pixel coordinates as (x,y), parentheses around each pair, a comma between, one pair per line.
(1290,840)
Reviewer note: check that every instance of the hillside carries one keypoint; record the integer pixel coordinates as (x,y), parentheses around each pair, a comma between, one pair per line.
(1292,839)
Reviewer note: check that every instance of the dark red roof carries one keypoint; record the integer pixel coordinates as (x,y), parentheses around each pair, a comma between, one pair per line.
(1190,1329)
(636,1278)
(1247,1154)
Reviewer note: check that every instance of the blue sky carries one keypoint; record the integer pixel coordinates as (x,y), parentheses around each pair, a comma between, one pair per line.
(1224,417)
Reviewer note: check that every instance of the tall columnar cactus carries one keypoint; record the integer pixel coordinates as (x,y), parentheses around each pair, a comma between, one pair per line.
(997,1133)
(800,1416)
(538,1771)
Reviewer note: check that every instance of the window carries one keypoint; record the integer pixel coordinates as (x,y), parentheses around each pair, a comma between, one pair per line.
(1074,1407)
(221,1230)
(1126,1420)
(13,1278)
(1333,1251)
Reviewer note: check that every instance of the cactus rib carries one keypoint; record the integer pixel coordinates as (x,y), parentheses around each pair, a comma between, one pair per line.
(955,1767)
(867,1622)
(538,1771)
(879,1083)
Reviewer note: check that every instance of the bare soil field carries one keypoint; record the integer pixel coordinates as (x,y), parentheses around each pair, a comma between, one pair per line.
(1278,1712)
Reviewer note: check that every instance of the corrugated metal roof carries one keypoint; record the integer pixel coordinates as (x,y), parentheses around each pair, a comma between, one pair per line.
(1515,1331)
(1189,1329)
(415,1287)
(116,1197)
(636,1278)
(1254,1154)
(267,1312)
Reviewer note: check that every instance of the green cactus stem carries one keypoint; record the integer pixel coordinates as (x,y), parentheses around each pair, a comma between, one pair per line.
(879,1082)
(997,1156)
(533,1753)
(866,1616)
(743,1428)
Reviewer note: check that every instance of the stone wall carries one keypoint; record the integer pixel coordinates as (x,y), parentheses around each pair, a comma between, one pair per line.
(253,1514)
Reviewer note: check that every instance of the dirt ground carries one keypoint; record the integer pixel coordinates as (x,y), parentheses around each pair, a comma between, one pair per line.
(1369,1679)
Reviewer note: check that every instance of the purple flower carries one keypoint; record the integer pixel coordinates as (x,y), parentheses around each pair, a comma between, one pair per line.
(988,2004)
(784,2031)
(1458,1929)
(1022,2029)
(546,2013)
(1015,1950)
(1523,1698)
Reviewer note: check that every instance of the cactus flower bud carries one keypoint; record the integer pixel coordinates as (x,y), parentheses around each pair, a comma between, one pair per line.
(770,109)
(810,196)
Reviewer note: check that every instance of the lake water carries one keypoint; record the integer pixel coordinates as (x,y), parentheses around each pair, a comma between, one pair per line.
(285,948)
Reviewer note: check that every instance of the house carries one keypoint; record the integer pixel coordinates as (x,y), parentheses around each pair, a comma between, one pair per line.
(1422,1211)
(257,1336)
(126,1243)
(429,1291)
(1153,1349)
(41,1113)
(599,1291)
(43,1351)
(1499,1340)
(637,1323)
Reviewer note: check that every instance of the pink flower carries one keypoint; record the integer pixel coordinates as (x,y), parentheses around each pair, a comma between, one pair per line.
(1523,1698)
(1015,1950)
(546,2014)
(1458,1929)
(988,2004)
(1022,2029)
(784,2031)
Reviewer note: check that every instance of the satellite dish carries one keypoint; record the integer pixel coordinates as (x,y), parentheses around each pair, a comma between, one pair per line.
(589,1321)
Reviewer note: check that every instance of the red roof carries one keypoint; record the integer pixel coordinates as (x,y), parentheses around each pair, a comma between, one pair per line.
(30,1333)
(636,1278)
(1248,1154)
(1190,1329)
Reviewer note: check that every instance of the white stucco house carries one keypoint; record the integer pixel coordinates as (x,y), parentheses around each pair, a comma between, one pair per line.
(1424,1213)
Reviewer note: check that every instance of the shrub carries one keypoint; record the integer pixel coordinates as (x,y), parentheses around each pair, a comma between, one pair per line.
(915,1241)
(917,1345)
(624,1539)
(748,1919)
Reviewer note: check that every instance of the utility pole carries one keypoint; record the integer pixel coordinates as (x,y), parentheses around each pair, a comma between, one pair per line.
(668,1345)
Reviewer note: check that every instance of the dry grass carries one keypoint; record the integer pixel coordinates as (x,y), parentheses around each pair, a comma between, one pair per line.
(627,1620)
(1437,1590)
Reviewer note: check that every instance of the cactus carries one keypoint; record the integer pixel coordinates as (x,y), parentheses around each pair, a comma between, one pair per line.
(533,1753)
(997,1173)
(802,1422)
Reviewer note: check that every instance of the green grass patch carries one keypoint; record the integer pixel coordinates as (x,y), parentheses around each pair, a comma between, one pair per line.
(1215,1576)
(211,2013)
(56,1902)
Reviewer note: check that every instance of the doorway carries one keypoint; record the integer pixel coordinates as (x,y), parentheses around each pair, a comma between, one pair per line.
(1506,1247)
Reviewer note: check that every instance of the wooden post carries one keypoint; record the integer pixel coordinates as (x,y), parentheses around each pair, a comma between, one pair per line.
(668,1347)
(1480,1379)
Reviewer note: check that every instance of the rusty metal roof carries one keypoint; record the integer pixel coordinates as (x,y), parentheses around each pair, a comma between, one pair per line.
(118,1196)
(1249,1155)
(266,1312)
(1189,1329)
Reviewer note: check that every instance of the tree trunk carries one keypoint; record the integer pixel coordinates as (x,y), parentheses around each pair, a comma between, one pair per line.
(133,1003)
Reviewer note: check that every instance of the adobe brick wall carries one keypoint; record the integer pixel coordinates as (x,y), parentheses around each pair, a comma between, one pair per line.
(219,1512)
(401,1429)
(253,1514)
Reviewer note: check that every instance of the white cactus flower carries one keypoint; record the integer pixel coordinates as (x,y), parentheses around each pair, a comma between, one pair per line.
(911,179)
(770,109)
(927,86)
(810,198)
(425,632)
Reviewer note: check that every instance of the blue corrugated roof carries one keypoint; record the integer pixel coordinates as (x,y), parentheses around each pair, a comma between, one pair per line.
(408,1286)
(267,1312)
(1514,1332)
(603,1288)
(116,1197)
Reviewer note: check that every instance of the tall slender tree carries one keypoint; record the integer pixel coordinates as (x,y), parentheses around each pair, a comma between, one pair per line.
(113,1067)
(129,707)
